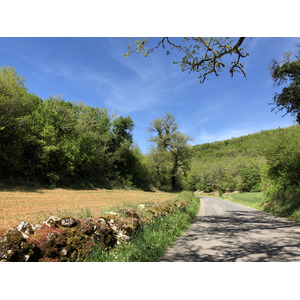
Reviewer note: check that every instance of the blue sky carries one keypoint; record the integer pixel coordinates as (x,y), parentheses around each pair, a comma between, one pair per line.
(95,71)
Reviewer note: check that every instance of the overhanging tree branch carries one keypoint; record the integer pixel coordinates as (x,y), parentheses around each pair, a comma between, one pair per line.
(201,55)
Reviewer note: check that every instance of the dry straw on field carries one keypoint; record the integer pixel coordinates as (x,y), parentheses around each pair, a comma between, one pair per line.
(35,206)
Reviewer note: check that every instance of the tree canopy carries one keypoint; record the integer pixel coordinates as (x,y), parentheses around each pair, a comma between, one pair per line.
(57,142)
(287,71)
(171,154)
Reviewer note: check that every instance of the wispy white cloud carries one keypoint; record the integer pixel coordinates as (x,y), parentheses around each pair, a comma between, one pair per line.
(147,85)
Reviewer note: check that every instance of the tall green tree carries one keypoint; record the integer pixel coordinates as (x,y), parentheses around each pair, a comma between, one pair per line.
(171,148)
(16,108)
(287,72)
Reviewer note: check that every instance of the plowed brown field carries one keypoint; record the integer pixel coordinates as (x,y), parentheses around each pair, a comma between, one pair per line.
(36,206)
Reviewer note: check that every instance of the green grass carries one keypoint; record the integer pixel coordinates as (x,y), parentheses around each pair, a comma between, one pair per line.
(256,200)
(248,199)
(152,241)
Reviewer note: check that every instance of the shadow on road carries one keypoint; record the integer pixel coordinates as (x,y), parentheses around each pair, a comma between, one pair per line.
(238,236)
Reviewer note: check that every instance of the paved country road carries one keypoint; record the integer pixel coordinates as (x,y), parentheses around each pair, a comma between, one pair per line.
(225,231)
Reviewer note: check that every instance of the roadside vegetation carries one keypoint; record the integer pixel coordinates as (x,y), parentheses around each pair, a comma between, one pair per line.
(125,233)
(254,200)
(257,201)
(153,239)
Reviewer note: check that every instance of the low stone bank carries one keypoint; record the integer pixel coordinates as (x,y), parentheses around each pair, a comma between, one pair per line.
(70,239)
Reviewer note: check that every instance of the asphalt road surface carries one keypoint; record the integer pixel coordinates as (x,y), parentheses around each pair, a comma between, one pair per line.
(225,231)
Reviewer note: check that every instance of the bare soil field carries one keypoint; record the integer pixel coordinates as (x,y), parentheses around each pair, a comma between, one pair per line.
(36,206)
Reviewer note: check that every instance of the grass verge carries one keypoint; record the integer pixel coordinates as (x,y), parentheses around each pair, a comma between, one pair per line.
(152,240)
(257,200)
(253,199)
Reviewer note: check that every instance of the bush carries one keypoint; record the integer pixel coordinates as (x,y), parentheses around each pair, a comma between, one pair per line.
(283,158)
(282,200)
(281,174)
(250,179)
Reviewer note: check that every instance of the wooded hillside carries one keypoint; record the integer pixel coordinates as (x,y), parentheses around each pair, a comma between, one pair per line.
(238,163)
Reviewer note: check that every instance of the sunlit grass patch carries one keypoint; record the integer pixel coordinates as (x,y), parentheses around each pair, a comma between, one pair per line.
(254,199)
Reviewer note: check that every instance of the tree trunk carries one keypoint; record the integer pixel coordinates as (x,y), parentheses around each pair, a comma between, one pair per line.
(173,174)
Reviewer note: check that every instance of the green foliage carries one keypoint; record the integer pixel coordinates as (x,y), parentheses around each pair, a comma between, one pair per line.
(59,143)
(12,85)
(171,154)
(282,172)
(283,72)
(240,163)
(283,157)
(16,139)
(250,178)
(283,201)
(122,129)
(225,174)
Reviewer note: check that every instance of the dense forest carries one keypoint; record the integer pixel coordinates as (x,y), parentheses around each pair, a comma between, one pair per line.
(59,143)
(54,142)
